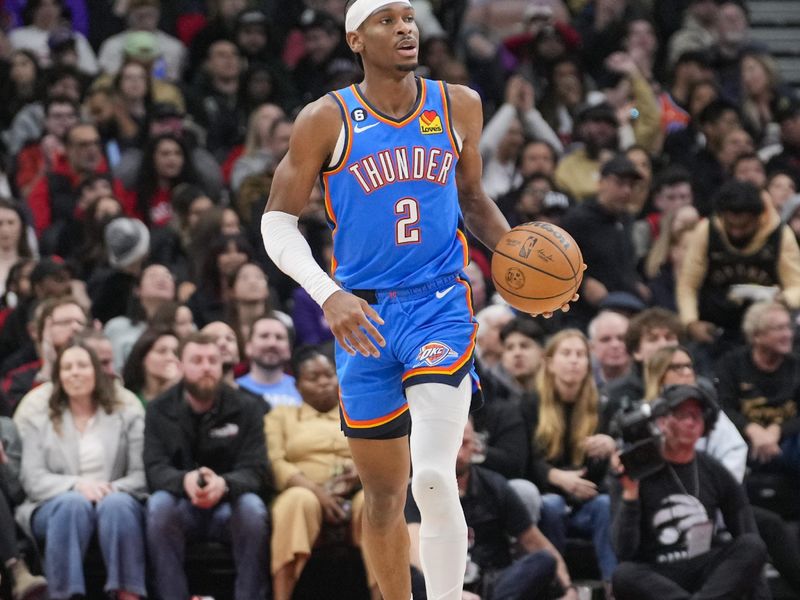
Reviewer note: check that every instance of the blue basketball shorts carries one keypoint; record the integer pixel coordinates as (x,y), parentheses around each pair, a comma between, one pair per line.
(430,337)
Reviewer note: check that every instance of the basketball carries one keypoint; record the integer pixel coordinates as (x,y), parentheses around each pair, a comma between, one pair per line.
(537,267)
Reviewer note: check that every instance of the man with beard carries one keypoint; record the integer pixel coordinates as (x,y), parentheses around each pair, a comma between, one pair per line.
(206,464)
(743,243)
(269,349)
(577,173)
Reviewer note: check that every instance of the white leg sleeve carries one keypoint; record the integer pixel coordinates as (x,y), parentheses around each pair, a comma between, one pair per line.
(438,416)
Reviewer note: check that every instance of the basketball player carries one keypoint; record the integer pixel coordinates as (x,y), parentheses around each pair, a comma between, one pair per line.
(399,163)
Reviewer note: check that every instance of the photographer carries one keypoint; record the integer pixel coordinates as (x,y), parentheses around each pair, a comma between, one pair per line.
(664,527)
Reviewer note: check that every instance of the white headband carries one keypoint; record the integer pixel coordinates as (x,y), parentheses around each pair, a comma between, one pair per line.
(362,9)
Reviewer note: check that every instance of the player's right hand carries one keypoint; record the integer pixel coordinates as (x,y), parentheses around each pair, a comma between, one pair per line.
(351,321)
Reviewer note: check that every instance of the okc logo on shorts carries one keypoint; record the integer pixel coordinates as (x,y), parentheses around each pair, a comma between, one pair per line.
(433,353)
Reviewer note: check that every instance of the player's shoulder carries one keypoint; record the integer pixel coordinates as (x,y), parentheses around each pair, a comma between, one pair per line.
(318,123)
(463,97)
(322,111)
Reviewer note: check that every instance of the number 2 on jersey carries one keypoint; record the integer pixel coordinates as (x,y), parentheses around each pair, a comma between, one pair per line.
(405,232)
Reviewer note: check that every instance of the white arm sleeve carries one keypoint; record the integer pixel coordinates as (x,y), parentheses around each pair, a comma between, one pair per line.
(290,251)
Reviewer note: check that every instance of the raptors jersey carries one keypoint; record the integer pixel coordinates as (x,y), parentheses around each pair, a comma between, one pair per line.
(391,197)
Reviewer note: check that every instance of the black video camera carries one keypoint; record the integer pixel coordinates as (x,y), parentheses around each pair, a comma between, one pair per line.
(641,441)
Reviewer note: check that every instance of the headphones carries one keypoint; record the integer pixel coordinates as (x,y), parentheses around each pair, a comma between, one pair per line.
(674,395)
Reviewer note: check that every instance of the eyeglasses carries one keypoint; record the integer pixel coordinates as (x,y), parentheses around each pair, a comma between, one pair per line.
(676,367)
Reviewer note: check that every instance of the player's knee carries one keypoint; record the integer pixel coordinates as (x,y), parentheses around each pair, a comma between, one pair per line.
(432,489)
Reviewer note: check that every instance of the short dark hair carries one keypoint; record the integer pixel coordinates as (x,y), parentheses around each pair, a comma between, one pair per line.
(738,197)
(648,319)
(302,355)
(672,175)
(746,156)
(715,109)
(524,326)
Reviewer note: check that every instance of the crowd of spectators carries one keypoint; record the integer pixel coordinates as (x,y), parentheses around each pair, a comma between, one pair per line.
(144,332)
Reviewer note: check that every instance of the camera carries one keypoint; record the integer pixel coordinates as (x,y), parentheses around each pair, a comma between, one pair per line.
(641,441)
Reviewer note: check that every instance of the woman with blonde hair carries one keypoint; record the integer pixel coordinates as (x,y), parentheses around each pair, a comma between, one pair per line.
(570,458)
(673,365)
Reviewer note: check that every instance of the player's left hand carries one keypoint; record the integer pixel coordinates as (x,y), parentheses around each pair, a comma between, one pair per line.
(351,321)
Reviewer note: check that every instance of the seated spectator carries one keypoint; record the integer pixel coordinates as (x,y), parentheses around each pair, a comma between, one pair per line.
(643,161)
(664,260)
(13,239)
(127,245)
(597,127)
(648,331)
(314,471)
(534,200)
(504,134)
(494,514)
(683,145)
(665,556)
(538,156)
(221,24)
(697,32)
(28,122)
(55,322)
(215,490)
(48,279)
(224,254)
(165,164)
(673,365)
(780,187)
(671,189)
(175,316)
(718,119)
(53,201)
(258,154)
(564,96)
(250,298)
(570,456)
(40,156)
(35,401)
(25,85)
(156,286)
(70,500)
(607,217)
(269,349)
(748,167)
(327,58)
(761,85)
(144,15)
(87,250)
(152,366)
(759,388)
(24,585)
(787,115)
(42,18)
(166,118)
(513,378)
(743,243)
(134,99)
(230,348)
(610,358)
(488,347)
(215,101)
(690,68)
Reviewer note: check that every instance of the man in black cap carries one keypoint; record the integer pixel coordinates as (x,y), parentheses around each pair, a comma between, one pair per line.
(597,127)
(733,257)
(666,531)
(602,226)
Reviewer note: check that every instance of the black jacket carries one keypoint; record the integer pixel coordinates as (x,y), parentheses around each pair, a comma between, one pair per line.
(229,440)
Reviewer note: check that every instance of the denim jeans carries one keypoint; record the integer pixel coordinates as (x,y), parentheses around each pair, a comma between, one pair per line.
(590,519)
(528,578)
(66,524)
(243,523)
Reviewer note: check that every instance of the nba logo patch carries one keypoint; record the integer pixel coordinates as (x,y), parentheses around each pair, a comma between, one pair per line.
(430,123)
(433,353)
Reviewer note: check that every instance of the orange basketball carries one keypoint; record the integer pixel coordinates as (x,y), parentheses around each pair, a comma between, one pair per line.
(537,267)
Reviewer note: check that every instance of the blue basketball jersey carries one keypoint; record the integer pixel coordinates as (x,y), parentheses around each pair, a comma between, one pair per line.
(391,199)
